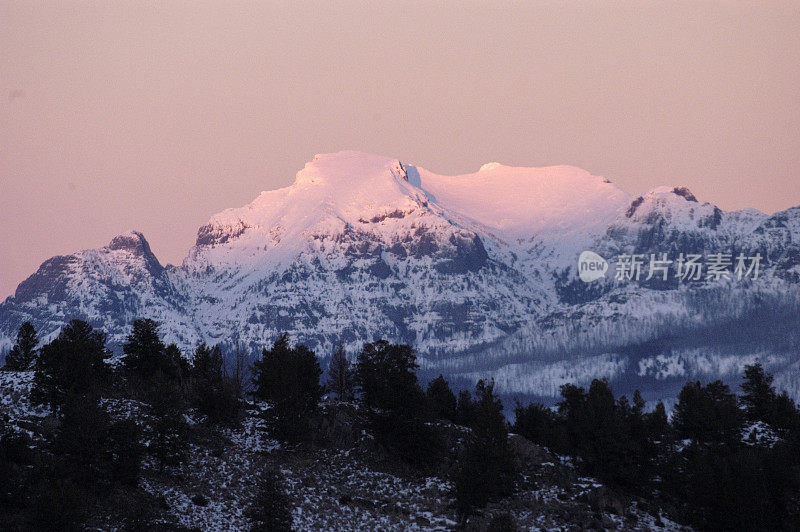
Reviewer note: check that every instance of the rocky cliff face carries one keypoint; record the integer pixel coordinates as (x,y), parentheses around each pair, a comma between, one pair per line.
(478,272)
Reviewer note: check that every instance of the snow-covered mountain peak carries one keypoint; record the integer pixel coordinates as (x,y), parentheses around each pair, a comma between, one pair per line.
(344,166)
(340,184)
(666,193)
(333,194)
(488,167)
(667,213)
(674,204)
(684,192)
(519,202)
(380,196)
(132,241)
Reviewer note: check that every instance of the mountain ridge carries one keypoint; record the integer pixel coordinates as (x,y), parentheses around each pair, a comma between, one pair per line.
(477,271)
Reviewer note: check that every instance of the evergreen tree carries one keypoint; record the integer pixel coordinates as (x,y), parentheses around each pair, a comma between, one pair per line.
(594,429)
(96,451)
(572,407)
(759,396)
(465,409)
(707,414)
(89,455)
(787,416)
(386,375)
(125,451)
(731,486)
(80,440)
(56,502)
(638,402)
(658,423)
(207,363)
(610,436)
(341,376)
(540,425)
(176,367)
(723,483)
(636,448)
(441,400)
(486,470)
(12,470)
(762,403)
(22,354)
(169,431)
(71,365)
(271,511)
(146,355)
(503,522)
(214,394)
(408,438)
(288,379)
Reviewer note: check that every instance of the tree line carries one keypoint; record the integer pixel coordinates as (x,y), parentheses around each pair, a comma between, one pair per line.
(722,462)
(696,464)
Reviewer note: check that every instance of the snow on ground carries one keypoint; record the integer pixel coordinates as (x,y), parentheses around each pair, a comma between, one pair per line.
(15,388)
(330,489)
(335,490)
(759,433)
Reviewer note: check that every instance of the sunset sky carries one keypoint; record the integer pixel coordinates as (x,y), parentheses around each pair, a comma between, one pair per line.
(155,115)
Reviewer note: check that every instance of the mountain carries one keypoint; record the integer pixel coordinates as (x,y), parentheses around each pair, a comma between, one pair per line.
(477,271)
(106,287)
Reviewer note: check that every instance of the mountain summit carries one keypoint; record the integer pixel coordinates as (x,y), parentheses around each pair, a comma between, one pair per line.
(350,189)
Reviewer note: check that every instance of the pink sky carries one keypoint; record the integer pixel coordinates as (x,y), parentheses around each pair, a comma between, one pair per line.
(153,116)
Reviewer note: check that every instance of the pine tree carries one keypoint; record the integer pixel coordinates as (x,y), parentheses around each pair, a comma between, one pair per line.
(762,403)
(242,369)
(759,396)
(486,469)
(146,355)
(214,394)
(81,436)
(55,502)
(408,438)
(71,365)
(169,431)
(207,363)
(465,409)
(787,416)
(540,425)
(95,451)
(600,435)
(387,379)
(658,422)
(271,511)
(288,379)
(386,375)
(707,414)
(267,378)
(143,347)
(89,455)
(442,402)
(12,488)
(611,437)
(341,376)
(23,353)
(125,451)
